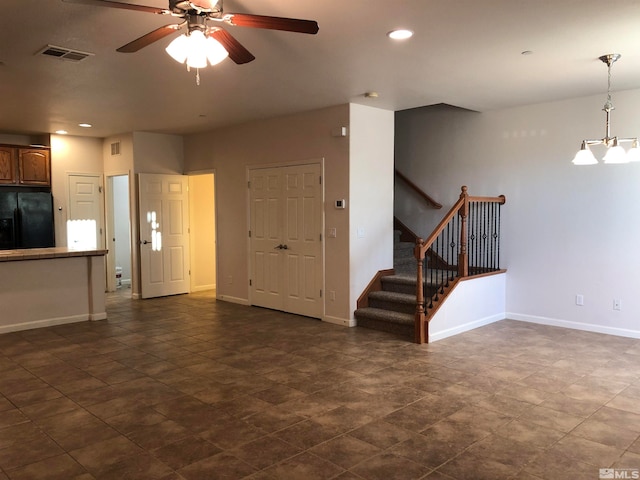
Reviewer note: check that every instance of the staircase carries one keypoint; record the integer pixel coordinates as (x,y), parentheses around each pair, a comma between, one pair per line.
(466,243)
(393,308)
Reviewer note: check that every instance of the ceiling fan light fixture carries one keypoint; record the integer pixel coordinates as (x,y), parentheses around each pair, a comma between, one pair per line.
(197,50)
(178,49)
(215,51)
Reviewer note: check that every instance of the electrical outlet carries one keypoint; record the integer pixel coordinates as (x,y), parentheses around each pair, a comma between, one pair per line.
(229,280)
(580,300)
(617,304)
(332,295)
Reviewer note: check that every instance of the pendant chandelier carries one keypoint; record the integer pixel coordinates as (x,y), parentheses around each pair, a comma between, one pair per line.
(615,152)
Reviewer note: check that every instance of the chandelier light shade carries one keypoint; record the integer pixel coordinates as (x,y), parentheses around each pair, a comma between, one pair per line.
(615,152)
(584,156)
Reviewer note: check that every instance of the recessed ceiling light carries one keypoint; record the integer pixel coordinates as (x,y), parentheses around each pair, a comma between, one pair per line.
(85,125)
(61,132)
(400,34)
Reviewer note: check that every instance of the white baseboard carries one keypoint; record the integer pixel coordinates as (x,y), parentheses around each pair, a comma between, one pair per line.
(448,332)
(589,327)
(98,316)
(339,321)
(46,322)
(230,299)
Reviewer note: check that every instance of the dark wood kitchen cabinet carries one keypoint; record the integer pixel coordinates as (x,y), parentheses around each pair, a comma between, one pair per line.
(8,165)
(34,166)
(28,166)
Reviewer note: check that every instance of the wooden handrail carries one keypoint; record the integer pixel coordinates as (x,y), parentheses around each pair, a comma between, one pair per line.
(461,208)
(418,190)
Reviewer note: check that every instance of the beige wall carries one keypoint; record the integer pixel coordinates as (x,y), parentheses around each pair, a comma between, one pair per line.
(231,151)
(304,137)
(566,230)
(371,178)
(285,140)
(70,155)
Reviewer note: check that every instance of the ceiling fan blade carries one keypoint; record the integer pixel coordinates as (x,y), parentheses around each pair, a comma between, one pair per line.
(237,52)
(125,6)
(148,39)
(272,23)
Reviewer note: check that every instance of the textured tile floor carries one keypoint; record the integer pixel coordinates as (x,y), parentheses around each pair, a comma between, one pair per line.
(189,388)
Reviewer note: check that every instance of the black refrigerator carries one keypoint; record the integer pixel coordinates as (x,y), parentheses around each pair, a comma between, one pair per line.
(26,220)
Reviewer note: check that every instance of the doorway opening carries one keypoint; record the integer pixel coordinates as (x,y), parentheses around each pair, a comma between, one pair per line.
(202,216)
(119,270)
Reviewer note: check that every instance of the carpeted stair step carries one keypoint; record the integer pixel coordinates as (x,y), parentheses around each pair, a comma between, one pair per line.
(386,321)
(400,283)
(397,302)
(405,266)
(403,249)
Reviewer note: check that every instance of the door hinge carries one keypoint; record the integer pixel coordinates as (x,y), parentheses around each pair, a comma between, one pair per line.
(320,237)
(249,184)
(99,189)
(249,233)
(250,282)
(100,231)
(321,293)
(320,179)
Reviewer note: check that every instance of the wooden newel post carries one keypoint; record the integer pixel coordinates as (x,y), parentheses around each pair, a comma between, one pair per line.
(463,257)
(419,318)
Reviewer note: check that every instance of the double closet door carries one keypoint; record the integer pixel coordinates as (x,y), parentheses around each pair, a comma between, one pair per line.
(286,264)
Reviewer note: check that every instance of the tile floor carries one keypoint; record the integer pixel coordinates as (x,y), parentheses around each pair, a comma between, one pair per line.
(189,388)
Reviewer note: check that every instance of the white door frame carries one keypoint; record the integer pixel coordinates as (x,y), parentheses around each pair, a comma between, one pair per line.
(249,168)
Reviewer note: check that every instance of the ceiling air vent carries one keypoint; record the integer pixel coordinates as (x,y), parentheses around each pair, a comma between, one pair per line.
(64,53)
(115,149)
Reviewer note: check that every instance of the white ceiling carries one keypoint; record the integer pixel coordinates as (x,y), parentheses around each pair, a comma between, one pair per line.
(465,53)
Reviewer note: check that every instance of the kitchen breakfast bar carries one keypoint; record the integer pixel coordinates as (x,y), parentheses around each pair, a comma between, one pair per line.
(41,287)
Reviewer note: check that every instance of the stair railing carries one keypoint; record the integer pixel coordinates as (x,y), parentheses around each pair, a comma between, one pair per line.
(465,243)
(417,189)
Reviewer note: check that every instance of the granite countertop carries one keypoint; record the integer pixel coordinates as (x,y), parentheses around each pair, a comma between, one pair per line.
(44,253)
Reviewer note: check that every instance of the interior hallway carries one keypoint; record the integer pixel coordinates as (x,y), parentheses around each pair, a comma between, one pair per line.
(189,388)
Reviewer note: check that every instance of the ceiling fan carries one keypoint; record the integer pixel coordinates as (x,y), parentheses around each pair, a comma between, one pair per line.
(200,16)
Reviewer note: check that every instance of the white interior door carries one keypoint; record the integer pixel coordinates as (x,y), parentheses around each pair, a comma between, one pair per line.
(286,243)
(85,203)
(164,234)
